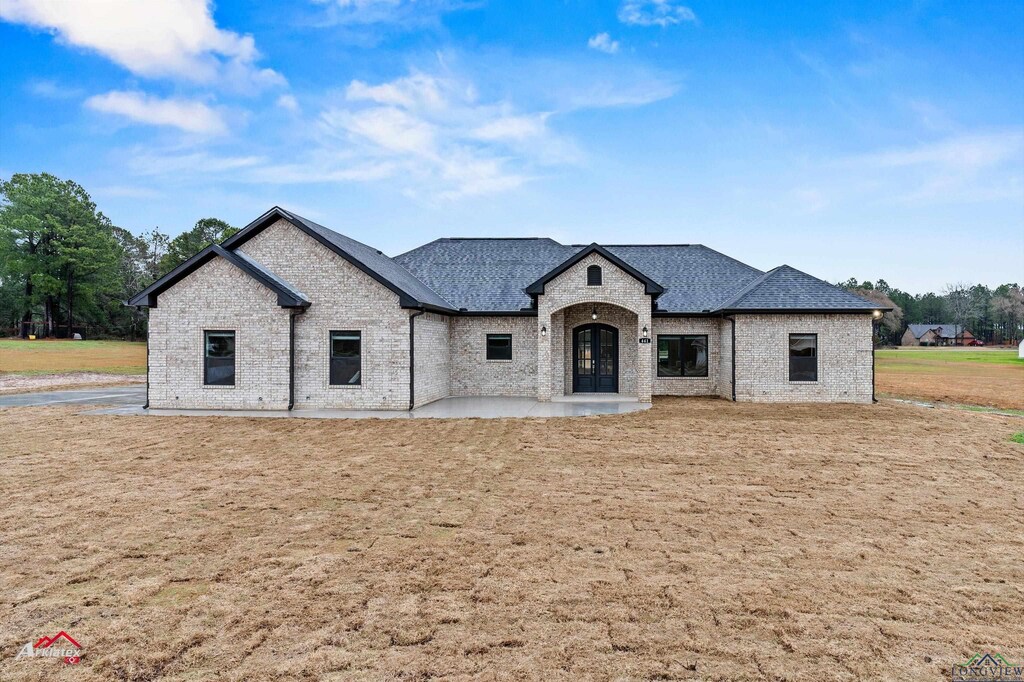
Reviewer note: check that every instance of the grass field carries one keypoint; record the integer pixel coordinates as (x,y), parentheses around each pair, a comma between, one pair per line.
(990,377)
(47,356)
(702,539)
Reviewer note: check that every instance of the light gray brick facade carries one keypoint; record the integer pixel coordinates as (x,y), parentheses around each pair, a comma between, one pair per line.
(555,311)
(218,296)
(344,299)
(474,374)
(703,326)
(432,364)
(844,358)
(450,350)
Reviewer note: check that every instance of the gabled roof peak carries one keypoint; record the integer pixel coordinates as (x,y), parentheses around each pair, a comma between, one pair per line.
(650,286)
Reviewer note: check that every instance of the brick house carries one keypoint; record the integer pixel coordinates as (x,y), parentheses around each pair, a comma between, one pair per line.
(289,314)
(936,335)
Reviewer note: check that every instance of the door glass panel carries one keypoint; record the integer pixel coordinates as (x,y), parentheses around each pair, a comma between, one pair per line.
(584,362)
(607,363)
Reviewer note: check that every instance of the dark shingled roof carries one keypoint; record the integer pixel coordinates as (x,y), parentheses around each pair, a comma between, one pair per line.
(485,274)
(490,275)
(696,278)
(786,288)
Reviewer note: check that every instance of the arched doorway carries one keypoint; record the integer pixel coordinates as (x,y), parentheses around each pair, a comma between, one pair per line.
(595,353)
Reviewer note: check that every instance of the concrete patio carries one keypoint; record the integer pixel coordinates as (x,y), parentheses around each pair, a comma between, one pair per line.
(447,408)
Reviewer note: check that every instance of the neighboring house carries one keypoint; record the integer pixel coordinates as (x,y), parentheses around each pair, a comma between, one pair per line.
(287,313)
(936,335)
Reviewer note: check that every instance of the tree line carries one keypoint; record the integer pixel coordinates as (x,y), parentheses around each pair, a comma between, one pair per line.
(65,268)
(991,315)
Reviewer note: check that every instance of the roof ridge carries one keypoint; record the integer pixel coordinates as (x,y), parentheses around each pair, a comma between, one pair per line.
(749,287)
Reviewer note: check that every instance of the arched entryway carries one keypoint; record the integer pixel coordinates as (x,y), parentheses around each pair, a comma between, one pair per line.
(595,358)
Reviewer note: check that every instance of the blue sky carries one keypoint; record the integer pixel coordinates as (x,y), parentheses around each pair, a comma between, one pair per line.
(868,139)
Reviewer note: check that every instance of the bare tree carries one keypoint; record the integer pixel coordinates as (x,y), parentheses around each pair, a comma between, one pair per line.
(961,305)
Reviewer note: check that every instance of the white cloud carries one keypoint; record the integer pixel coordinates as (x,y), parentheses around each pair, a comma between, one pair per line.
(176,38)
(396,12)
(512,127)
(53,90)
(429,135)
(967,152)
(145,161)
(288,102)
(602,42)
(188,115)
(654,13)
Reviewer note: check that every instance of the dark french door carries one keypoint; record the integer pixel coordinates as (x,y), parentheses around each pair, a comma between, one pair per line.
(595,367)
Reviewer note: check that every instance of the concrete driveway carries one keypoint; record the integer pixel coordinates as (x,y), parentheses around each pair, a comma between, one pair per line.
(112,395)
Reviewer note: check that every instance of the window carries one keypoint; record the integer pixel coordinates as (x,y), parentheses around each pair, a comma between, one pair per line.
(682,356)
(499,346)
(346,358)
(219,358)
(594,276)
(803,357)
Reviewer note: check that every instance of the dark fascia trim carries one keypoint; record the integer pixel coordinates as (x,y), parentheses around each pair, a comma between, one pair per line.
(405,299)
(498,313)
(670,313)
(801,311)
(650,286)
(148,296)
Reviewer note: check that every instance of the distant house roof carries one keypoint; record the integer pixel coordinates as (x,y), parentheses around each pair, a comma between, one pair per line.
(944,331)
(503,275)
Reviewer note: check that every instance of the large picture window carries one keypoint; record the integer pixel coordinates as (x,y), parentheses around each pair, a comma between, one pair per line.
(499,346)
(803,357)
(682,356)
(346,358)
(219,358)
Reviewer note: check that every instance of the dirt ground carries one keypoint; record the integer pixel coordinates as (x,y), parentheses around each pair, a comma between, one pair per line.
(701,539)
(940,375)
(29,383)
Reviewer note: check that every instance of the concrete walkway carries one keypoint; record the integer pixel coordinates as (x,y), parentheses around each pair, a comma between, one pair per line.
(447,408)
(128,400)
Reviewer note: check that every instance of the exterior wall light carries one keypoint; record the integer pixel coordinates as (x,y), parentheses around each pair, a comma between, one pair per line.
(593,315)
(543,331)
(877,314)
(645,331)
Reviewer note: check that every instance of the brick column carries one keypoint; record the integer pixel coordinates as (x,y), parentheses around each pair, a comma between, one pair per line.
(543,351)
(645,355)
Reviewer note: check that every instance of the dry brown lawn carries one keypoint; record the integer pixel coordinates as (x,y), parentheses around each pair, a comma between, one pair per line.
(699,540)
(990,378)
(57,355)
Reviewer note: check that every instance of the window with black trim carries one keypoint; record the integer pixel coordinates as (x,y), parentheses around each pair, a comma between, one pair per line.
(682,355)
(346,358)
(803,357)
(219,358)
(499,346)
(594,276)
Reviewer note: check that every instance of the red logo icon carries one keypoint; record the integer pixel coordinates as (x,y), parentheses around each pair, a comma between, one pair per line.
(47,642)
